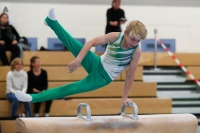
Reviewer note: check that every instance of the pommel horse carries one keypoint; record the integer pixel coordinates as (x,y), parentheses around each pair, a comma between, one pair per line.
(124,123)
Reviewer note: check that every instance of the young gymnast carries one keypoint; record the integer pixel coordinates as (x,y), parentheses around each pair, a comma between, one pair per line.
(122,51)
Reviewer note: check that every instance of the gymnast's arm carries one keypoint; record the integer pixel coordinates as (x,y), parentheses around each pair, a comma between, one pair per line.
(100,40)
(130,76)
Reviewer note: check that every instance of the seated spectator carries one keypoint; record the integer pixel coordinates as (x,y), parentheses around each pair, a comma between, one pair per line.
(9,39)
(38,82)
(17,80)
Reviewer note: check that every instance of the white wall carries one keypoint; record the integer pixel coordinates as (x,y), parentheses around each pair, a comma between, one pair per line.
(181,23)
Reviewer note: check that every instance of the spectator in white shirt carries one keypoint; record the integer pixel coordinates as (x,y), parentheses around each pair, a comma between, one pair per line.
(17,80)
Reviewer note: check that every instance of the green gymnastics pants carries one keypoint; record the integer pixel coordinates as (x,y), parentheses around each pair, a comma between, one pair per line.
(97,77)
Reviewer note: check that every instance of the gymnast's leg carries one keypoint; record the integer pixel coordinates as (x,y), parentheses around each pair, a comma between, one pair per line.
(90,61)
(93,81)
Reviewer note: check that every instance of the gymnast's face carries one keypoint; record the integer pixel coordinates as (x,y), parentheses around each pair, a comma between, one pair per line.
(131,41)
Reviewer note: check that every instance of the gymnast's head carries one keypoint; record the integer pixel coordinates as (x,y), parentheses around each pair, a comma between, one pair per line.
(135,32)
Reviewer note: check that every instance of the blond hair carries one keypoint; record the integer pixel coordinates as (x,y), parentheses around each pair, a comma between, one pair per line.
(136,29)
(15,62)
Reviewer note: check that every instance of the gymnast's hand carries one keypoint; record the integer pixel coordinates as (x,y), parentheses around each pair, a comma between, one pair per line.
(74,65)
(126,100)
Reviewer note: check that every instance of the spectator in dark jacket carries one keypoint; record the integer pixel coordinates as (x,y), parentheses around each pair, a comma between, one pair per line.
(9,39)
(38,82)
(115,17)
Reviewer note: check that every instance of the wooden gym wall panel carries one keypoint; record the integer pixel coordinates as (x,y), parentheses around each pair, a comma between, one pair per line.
(100,106)
(5,108)
(55,73)
(146,59)
(138,73)
(8,126)
(108,106)
(115,89)
(195,71)
(50,57)
(60,73)
(163,59)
